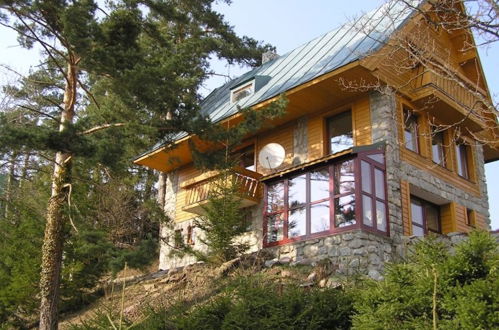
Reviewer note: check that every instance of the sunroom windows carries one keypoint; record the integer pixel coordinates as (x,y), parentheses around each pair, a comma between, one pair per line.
(327,199)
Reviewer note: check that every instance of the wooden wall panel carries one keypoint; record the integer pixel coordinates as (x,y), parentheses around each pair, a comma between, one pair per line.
(283,136)
(406,207)
(481,221)
(424,161)
(316,131)
(460,219)
(361,113)
(188,172)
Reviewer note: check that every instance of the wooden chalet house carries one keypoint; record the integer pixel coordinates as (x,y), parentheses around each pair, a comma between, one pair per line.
(376,144)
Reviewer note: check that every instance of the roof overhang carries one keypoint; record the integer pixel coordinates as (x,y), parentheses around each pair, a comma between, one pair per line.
(312,96)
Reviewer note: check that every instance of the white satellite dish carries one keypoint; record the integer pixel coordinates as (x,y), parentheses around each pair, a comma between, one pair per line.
(271,156)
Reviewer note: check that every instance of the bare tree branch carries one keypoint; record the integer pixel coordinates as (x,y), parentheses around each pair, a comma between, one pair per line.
(101,127)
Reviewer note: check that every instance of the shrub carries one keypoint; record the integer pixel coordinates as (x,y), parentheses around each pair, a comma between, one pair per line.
(255,303)
(435,288)
(222,225)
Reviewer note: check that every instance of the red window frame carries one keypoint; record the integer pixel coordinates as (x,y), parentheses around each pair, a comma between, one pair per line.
(333,229)
(425,205)
(374,165)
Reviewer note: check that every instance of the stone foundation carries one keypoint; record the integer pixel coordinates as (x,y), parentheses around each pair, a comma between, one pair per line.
(354,252)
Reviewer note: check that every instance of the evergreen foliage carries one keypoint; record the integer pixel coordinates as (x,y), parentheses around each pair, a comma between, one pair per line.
(115,77)
(436,288)
(222,225)
(253,302)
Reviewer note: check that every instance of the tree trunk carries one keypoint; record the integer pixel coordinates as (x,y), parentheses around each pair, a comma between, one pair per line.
(54,228)
(10,183)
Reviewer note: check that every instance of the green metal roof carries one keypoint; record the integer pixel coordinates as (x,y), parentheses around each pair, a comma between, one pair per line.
(339,47)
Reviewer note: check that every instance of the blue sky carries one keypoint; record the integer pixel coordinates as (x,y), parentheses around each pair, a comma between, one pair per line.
(287,24)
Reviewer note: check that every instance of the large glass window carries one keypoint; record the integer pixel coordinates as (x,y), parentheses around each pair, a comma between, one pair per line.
(425,217)
(344,194)
(340,132)
(326,200)
(373,193)
(462,160)
(411,130)
(437,148)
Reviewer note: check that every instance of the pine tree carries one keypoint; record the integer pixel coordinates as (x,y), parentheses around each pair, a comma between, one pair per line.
(153,60)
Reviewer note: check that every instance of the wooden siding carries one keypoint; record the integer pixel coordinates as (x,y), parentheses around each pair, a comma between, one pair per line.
(481,221)
(185,174)
(282,135)
(361,113)
(316,132)
(460,219)
(423,160)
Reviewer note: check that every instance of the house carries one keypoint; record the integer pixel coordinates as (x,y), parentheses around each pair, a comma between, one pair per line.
(378,143)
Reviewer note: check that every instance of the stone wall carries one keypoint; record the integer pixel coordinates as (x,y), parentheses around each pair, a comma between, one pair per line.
(171,187)
(384,124)
(353,252)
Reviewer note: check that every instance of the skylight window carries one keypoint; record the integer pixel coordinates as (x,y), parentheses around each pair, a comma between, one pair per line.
(243,91)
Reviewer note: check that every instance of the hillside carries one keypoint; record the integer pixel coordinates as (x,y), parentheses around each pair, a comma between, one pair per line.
(137,295)
(446,282)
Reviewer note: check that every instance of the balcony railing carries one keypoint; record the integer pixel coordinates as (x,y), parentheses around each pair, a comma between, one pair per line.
(249,189)
(457,90)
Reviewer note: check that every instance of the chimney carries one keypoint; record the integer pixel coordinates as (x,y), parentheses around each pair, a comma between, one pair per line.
(269,56)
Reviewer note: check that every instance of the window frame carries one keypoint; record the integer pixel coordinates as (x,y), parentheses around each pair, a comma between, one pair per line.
(470,218)
(238,89)
(462,159)
(330,118)
(441,148)
(413,130)
(424,204)
(373,166)
(333,195)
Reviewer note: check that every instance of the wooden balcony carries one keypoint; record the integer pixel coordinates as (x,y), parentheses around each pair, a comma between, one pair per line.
(249,189)
(451,100)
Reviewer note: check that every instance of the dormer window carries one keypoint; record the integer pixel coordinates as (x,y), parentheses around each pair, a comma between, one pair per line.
(243,91)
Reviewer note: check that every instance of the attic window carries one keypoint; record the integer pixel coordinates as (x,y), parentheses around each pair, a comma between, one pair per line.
(242,91)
